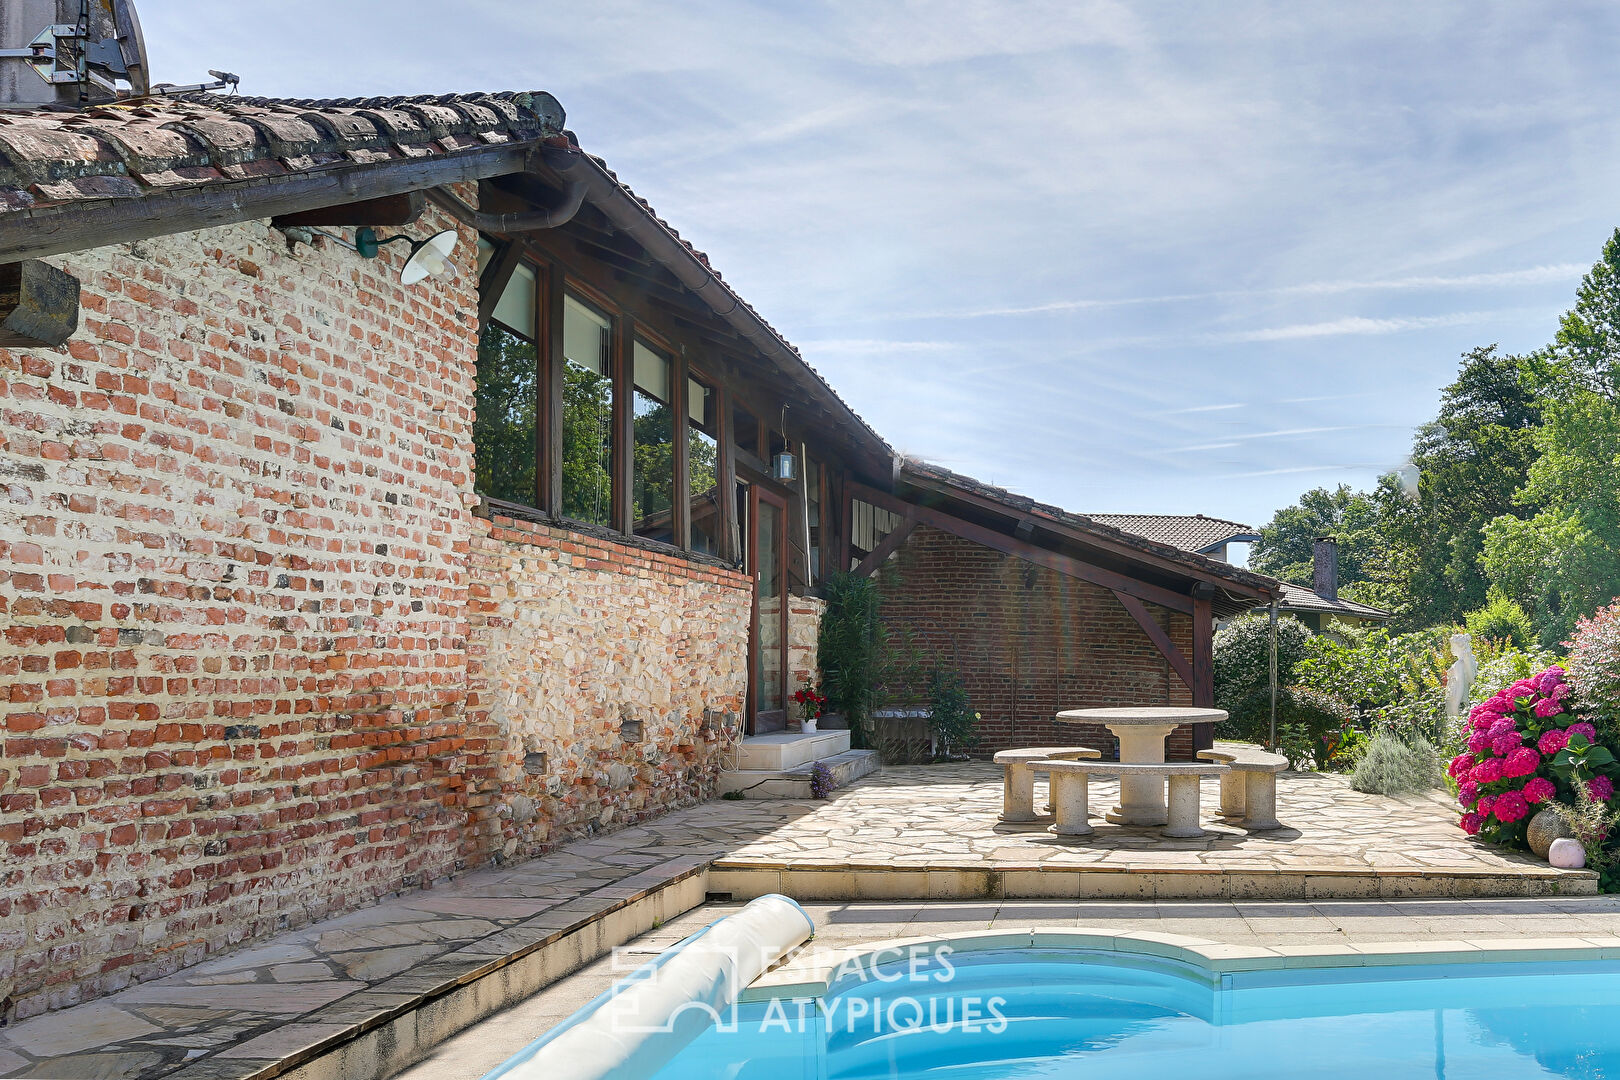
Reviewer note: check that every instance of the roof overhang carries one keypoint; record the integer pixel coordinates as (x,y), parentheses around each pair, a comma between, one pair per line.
(1168,576)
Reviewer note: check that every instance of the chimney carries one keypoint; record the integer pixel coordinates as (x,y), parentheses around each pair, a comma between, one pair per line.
(1325,568)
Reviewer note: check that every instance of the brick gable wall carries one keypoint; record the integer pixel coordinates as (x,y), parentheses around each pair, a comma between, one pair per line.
(1028,641)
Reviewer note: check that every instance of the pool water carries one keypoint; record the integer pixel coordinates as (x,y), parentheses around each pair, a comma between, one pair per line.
(1104,1016)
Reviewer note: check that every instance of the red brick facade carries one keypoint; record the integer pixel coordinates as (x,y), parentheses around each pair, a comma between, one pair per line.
(247,611)
(1029,641)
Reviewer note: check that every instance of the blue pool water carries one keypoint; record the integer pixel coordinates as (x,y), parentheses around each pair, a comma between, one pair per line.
(1033,1014)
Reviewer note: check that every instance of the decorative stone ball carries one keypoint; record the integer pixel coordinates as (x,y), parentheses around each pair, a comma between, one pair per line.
(1566,854)
(1543,829)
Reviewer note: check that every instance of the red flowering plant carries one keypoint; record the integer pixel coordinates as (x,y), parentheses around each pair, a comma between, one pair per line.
(810,702)
(1525,747)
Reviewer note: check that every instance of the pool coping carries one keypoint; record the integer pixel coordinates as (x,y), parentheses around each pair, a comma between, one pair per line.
(810,972)
(808,880)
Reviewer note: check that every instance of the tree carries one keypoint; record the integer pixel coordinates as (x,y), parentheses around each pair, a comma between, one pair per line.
(1471,461)
(503,428)
(1287,543)
(1559,554)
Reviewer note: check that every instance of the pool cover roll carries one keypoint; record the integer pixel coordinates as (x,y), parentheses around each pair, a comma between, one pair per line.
(637,1027)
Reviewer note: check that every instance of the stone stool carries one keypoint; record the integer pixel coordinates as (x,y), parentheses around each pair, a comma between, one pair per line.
(1249,791)
(1018,777)
(1070,794)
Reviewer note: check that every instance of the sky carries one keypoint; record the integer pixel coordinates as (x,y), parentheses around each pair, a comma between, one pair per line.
(1149,257)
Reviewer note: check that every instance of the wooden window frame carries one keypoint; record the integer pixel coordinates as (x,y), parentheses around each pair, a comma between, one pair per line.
(553,283)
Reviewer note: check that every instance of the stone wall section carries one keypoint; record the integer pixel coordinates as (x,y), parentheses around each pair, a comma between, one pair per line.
(1029,641)
(804,629)
(606,681)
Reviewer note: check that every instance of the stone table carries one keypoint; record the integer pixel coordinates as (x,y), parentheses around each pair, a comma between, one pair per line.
(1142,731)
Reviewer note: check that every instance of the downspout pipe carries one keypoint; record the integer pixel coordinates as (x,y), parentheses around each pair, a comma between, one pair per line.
(565,163)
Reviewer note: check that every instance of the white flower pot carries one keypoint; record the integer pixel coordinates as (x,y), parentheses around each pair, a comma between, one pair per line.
(807,724)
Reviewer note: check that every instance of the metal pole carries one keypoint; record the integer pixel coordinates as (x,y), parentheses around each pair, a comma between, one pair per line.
(1272,619)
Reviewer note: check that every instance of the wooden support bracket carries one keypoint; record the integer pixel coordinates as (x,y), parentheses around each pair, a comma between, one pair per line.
(401,209)
(39,305)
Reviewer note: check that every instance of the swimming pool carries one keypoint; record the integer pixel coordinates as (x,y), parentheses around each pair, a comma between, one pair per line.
(1103,1015)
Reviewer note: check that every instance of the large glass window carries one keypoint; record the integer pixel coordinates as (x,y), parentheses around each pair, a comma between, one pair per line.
(508,393)
(703,467)
(654,477)
(587,435)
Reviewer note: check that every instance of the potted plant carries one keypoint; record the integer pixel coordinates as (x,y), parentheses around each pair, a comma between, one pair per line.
(810,706)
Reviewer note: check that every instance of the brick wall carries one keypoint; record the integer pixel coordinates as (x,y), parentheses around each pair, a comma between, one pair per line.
(242,587)
(604,681)
(1029,642)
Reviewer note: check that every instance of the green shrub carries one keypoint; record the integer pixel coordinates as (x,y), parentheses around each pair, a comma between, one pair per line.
(1594,670)
(1321,720)
(1501,620)
(1243,656)
(1390,765)
(849,650)
(951,719)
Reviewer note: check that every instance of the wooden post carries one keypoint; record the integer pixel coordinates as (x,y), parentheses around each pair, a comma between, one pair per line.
(624,424)
(730,529)
(680,499)
(553,366)
(1203,664)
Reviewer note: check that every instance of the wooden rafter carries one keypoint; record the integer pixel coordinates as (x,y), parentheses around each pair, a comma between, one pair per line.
(886,547)
(1150,626)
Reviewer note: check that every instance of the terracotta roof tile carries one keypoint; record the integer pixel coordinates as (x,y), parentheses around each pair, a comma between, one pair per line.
(50,156)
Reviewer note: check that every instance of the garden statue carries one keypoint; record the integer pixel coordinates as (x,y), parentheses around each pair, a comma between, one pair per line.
(1460,676)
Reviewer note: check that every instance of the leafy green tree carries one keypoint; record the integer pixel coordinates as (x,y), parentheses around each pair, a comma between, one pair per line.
(1287,543)
(503,427)
(587,445)
(1564,560)
(1471,461)
(1501,620)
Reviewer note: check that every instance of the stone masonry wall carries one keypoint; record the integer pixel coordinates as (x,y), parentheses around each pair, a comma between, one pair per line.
(1029,642)
(606,680)
(804,629)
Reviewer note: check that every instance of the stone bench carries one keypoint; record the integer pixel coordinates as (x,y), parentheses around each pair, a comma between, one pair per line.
(1018,778)
(1070,791)
(1249,790)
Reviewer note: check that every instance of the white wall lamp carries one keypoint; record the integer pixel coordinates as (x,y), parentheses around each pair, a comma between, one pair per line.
(428,258)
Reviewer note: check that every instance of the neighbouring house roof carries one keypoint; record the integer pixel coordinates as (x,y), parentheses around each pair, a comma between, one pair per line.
(77,178)
(1195,532)
(1190,532)
(1237,589)
(1298,598)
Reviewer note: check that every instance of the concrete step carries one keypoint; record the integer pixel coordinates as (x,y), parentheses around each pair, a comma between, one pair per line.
(789,749)
(794,783)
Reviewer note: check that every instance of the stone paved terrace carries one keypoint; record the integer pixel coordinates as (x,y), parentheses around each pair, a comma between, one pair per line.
(889,839)
(412,969)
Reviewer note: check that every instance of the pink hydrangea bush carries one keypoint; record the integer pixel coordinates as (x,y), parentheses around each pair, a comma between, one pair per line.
(1526,747)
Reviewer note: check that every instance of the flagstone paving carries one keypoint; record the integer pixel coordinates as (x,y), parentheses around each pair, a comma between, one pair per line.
(240,1015)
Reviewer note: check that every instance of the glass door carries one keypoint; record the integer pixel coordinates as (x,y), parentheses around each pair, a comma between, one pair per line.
(767,560)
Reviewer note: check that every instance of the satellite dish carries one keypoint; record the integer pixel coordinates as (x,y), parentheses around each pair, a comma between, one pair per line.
(429,258)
